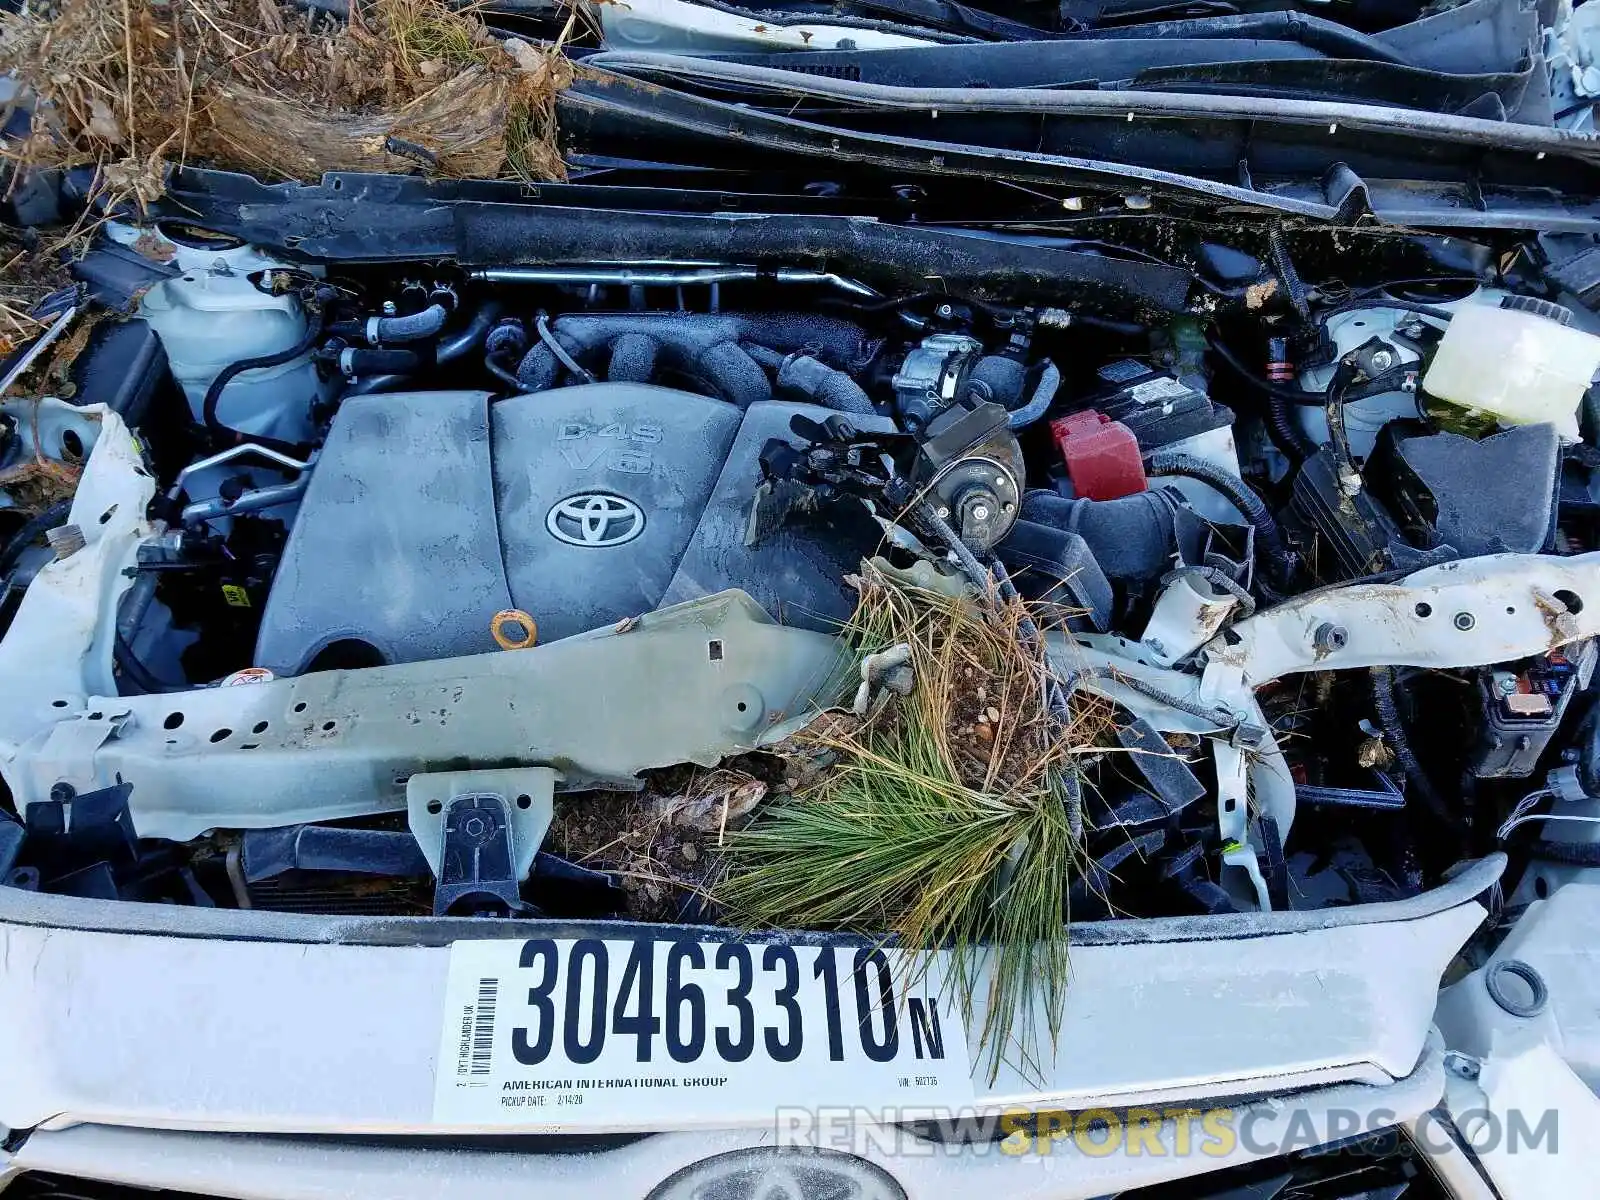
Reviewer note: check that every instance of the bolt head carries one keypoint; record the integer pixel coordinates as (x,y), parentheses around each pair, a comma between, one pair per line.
(1461,1065)
(1329,636)
(1382,360)
(1464,621)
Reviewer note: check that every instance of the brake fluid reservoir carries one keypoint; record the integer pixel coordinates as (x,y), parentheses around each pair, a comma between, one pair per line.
(1517,367)
(208,319)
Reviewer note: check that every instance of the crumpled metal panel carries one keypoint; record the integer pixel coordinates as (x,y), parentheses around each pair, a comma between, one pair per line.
(1468,613)
(58,648)
(693,683)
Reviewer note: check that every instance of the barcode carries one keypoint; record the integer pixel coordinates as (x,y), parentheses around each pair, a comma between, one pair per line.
(483,1025)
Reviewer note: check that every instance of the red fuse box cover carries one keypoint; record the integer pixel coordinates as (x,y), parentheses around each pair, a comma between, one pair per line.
(1102,455)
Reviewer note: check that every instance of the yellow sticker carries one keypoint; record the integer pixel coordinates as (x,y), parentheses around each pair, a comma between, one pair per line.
(235,595)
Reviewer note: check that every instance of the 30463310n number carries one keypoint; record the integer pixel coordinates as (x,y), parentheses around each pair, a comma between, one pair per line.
(730,999)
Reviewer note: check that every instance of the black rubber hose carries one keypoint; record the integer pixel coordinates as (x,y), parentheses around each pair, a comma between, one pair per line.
(1414,306)
(832,389)
(1000,378)
(1285,433)
(1240,494)
(814,379)
(1394,732)
(503,373)
(725,368)
(1038,404)
(412,328)
(34,528)
(1283,265)
(1132,538)
(361,361)
(1290,395)
(1573,854)
(471,335)
(1292,441)
(1338,435)
(208,407)
(769,358)
(457,345)
(136,673)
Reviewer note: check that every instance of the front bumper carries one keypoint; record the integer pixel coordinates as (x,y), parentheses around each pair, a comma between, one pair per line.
(1058,1168)
(193,1019)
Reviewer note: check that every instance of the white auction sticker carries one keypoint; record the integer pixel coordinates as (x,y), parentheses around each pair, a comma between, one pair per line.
(554,1032)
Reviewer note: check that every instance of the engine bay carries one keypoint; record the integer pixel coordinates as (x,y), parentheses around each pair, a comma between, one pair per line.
(355,583)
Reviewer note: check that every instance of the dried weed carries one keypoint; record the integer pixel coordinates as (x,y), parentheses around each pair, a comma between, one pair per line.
(942,819)
(134,86)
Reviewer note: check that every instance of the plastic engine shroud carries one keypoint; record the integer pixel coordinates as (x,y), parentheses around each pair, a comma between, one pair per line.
(429,512)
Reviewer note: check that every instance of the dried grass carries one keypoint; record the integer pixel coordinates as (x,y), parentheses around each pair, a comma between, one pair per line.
(942,819)
(27,275)
(133,86)
(17,327)
(663,843)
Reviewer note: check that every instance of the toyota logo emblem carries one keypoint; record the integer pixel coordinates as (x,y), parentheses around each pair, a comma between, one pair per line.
(780,1173)
(595,519)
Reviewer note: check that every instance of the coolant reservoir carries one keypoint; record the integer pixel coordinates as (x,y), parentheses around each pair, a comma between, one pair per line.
(208,319)
(1518,367)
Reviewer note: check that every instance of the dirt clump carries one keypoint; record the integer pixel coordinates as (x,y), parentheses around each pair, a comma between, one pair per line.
(664,843)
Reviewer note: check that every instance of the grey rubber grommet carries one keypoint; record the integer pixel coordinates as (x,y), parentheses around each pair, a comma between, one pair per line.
(1494,980)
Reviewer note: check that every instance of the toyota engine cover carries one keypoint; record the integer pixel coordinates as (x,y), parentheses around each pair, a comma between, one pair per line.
(429,512)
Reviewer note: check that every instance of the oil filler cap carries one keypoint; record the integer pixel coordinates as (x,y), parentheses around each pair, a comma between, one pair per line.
(513,629)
